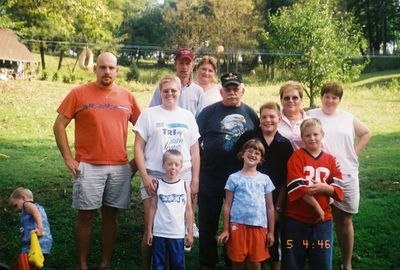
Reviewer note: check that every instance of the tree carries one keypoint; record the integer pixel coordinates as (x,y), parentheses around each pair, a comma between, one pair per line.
(89,21)
(186,23)
(270,7)
(212,23)
(380,20)
(142,25)
(40,20)
(323,43)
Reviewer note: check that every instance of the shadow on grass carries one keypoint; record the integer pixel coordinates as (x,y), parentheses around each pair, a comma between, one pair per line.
(379,81)
(38,165)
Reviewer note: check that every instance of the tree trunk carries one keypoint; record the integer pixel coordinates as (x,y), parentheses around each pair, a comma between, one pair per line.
(272,67)
(236,62)
(311,96)
(227,62)
(60,59)
(76,62)
(384,30)
(41,48)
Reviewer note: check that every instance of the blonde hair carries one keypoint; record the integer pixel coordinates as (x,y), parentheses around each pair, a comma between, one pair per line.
(21,192)
(291,85)
(168,79)
(311,122)
(172,152)
(252,144)
(271,106)
(206,59)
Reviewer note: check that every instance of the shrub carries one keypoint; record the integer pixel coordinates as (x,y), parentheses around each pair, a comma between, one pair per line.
(44,76)
(66,79)
(55,76)
(133,73)
(69,78)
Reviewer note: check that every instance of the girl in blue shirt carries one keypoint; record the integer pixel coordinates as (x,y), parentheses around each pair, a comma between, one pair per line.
(248,211)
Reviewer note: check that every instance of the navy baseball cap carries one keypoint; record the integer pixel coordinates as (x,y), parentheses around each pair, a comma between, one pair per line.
(231,78)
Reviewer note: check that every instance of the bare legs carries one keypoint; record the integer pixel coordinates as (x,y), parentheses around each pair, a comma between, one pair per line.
(83,232)
(345,235)
(276,265)
(242,266)
(108,233)
(145,248)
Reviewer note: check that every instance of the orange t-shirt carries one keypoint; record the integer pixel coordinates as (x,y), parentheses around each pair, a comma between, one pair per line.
(101,122)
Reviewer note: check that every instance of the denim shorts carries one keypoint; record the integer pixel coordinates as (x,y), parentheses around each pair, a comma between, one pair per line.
(98,185)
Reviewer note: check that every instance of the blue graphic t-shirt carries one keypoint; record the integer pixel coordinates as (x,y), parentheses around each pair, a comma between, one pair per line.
(220,129)
(249,203)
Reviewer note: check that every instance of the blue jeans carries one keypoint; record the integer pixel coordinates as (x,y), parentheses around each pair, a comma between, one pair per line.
(174,248)
(301,240)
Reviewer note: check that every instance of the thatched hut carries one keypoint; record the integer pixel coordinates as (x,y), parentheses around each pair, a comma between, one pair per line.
(16,61)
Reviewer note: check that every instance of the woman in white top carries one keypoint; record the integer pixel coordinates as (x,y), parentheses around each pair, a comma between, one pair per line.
(291,95)
(341,128)
(157,130)
(206,78)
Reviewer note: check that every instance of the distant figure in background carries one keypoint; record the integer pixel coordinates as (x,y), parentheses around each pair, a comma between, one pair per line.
(3,75)
(206,78)
(101,172)
(192,96)
(340,129)
(33,217)
(169,212)
(291,95)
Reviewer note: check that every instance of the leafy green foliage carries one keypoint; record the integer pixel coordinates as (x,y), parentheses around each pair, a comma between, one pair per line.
(133,73)
(322,43)
(380,20)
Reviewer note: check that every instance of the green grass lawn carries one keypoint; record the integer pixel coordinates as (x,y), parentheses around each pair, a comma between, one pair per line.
(29,157)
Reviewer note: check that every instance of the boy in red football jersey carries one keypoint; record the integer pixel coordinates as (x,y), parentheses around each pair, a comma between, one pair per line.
(313,179)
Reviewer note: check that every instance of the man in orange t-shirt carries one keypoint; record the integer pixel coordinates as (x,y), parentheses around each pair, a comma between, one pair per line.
(101,170)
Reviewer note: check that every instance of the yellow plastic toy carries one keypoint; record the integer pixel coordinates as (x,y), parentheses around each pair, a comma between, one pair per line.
(35,253)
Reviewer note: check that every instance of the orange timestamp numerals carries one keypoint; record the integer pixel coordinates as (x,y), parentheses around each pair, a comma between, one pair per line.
(321,244)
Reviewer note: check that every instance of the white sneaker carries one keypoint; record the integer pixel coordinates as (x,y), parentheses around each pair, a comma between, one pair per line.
(195,231)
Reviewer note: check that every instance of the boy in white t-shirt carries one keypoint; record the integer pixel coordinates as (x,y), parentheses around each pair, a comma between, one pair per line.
(168,214)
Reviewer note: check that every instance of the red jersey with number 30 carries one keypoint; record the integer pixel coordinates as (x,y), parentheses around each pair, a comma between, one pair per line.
(303,171)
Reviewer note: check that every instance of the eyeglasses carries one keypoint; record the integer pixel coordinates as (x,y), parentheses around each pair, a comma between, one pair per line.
(288,98)
(253,151)
(167,90)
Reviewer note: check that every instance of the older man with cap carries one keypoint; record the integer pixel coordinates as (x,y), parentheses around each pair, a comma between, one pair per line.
(192,95)
(221,125)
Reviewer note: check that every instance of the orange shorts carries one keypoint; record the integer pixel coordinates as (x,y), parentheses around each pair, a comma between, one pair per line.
(247,242)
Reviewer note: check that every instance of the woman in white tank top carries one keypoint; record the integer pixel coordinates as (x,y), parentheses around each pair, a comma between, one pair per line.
(341,128)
